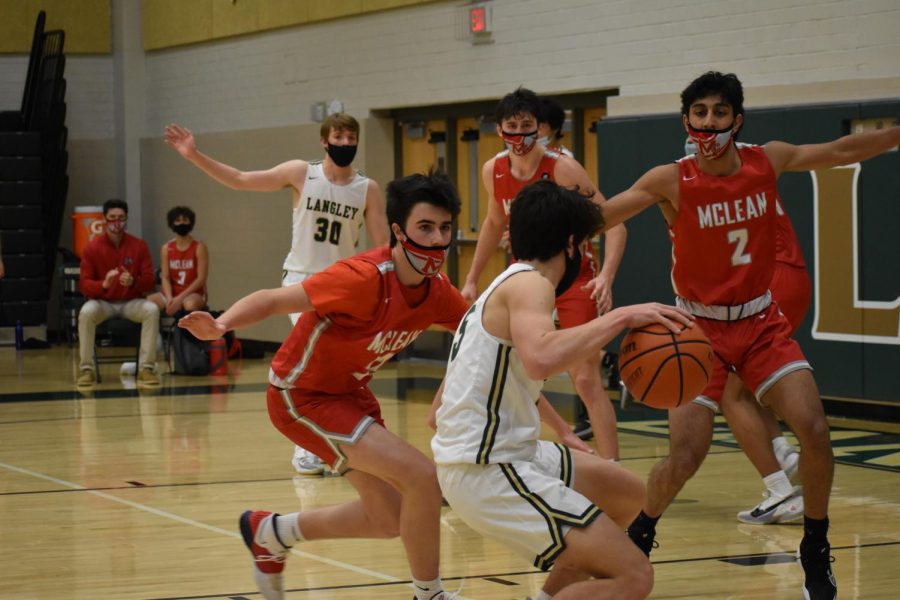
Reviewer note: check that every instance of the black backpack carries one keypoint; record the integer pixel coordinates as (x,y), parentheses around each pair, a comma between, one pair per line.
(191,354)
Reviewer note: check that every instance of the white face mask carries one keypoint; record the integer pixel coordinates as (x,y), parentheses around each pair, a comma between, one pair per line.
(711,143)
(544,140)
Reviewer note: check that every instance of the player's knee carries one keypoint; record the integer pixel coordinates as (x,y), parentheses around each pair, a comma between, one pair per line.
(89,310)
(685,462)
(637,581)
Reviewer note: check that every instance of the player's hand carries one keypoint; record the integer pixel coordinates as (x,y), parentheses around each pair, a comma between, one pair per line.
(469,292)
(202,325)
(575,443)
(126,279)
(181,140)
(174,305)
(110,278)
(601,292)
(504,240)
(671,317)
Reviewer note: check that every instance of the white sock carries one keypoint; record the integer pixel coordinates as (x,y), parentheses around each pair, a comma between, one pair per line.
(781,447)
(288,529)
(778,484)
(542,595)
(427,590)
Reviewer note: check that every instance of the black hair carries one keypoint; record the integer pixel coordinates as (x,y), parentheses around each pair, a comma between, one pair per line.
(434,188)
(544,215)
(713,83)
(553,114)
(180,211)
(114,203)
(520,102)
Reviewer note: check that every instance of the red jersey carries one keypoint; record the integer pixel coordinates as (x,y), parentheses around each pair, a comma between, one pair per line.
(363,316)
(101,256)
(506,187)
(183,267)
(723,239)
(787,248)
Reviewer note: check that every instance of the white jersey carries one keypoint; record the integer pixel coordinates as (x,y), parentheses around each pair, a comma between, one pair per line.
(326,222)
(488,411)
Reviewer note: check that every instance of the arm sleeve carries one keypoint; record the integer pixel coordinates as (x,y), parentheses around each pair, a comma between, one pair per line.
(89,281)
(455,309)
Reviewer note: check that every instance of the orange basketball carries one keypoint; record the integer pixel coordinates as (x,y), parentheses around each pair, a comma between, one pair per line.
(662,369)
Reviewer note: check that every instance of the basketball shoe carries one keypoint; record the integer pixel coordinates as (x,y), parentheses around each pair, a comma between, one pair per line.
(775,509)
(268,552)
(816,559)
(307,463)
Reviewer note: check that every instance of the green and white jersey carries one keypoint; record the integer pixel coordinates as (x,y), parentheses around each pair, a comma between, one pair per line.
(326,222)
(488,412)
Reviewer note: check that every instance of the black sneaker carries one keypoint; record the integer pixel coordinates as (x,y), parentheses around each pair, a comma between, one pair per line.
(819,583)
(583,430)
(643,538)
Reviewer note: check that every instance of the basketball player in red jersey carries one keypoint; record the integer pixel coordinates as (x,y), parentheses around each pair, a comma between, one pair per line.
(356,315)
(526,161)
(184,265)
(720,209)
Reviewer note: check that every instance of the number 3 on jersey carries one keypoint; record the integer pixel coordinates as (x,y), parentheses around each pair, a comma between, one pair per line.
(457,339)
(328,230)
(739,238)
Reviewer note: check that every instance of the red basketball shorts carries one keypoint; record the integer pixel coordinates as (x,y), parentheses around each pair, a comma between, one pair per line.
(791,289)
(759,349)
(321,422)
(576,306)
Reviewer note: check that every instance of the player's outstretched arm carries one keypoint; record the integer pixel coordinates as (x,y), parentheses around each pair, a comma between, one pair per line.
(657,186)
(248,310)
(488,237)
(291,173)
(846,150)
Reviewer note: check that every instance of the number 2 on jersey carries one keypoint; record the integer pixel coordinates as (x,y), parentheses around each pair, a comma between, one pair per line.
(739,237)
(328,230)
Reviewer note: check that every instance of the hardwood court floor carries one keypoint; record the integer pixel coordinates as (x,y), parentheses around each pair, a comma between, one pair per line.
(135,495)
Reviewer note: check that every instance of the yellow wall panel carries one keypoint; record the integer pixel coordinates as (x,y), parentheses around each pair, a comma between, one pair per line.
(322,11)
(282,13)
(376,5)
(234,18)
(176,22)
(87,24)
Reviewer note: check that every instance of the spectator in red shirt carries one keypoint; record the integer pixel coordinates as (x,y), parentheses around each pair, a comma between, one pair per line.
(184,264)
(116,273)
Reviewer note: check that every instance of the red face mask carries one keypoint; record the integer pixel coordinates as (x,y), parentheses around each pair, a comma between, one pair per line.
(520,143)
(711,143)
(116,226)
(426,260)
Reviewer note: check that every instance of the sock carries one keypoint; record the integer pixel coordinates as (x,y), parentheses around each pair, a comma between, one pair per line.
(287,528)
(778,484)
(644,521)
(542,595)
(427,590)
(781,447)
(815,531)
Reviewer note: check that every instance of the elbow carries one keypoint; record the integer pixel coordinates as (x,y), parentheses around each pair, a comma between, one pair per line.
(538,368)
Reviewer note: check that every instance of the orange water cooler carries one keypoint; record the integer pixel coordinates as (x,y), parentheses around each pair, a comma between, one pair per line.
(87,223)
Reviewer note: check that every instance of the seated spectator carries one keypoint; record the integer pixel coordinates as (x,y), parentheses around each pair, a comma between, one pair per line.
(116,272)
(184,262)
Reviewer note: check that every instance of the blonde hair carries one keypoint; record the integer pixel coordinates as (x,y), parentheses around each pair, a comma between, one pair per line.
(338,122)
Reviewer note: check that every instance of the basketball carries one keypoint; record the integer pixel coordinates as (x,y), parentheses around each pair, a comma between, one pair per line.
(662,369)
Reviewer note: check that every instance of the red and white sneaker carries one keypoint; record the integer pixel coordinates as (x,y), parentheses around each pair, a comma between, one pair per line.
(268,557)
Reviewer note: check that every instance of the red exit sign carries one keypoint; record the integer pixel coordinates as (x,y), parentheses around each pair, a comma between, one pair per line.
(479,19)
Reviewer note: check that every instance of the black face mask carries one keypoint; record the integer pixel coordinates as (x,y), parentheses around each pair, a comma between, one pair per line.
(342,156)
(183,229)
(573,267)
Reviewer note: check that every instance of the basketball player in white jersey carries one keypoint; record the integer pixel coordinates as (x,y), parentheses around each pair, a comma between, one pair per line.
(331,202)
(555,507)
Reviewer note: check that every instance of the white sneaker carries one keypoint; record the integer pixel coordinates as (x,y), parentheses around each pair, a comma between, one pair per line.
(775,509)
(790,464)
(307,463)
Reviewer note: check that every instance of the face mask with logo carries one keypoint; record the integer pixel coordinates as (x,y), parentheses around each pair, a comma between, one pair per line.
(690,147)
(342,156)
(711,143)
(426,260)
(116,226)
(573,267)
(182,229)
(520,143)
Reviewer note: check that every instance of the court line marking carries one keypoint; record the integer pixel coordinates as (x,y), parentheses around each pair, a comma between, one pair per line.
(184,520)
